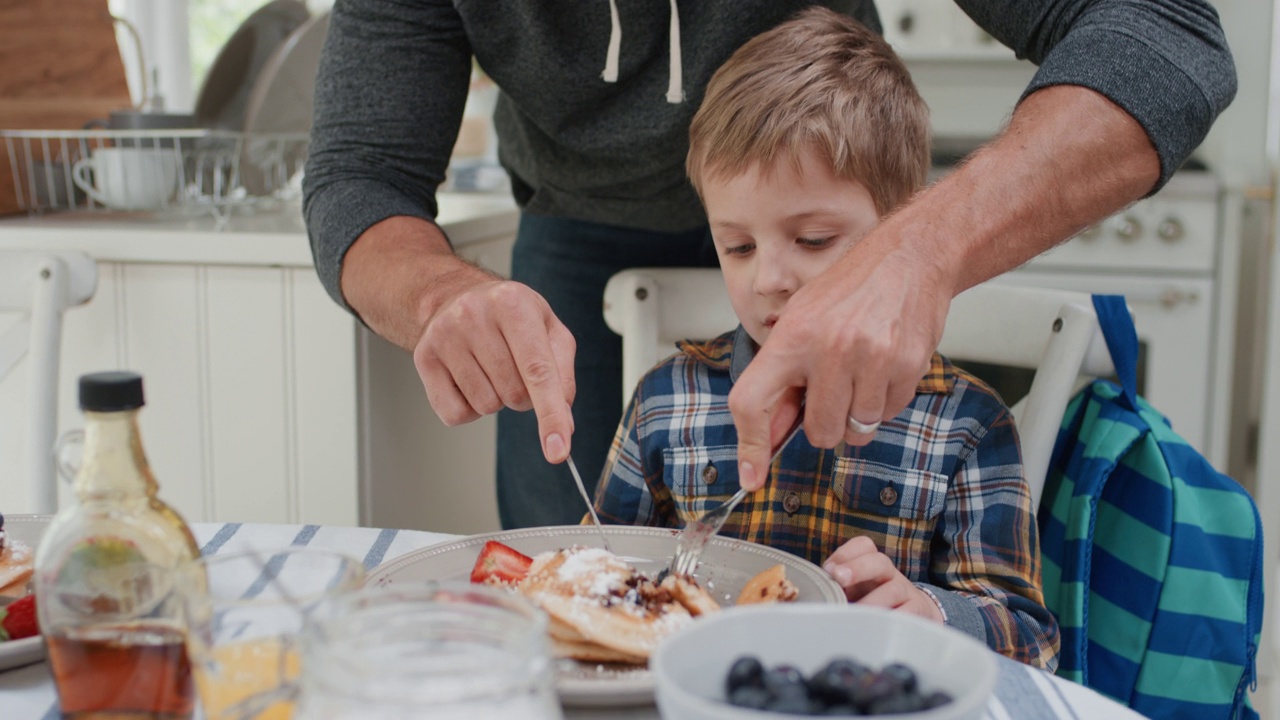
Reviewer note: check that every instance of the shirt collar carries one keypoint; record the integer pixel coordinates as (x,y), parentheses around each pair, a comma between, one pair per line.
(732,352)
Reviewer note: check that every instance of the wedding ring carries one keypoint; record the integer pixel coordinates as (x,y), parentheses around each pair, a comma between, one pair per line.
(863,428)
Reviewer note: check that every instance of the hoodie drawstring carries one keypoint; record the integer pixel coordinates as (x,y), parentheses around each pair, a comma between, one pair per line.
(675,84)
(675,79)
(615,44)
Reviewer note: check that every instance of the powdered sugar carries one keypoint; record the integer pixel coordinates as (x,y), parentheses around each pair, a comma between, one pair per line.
(601,568)
(18,551)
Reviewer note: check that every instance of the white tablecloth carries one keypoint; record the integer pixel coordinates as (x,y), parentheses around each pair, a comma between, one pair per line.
(1021,693)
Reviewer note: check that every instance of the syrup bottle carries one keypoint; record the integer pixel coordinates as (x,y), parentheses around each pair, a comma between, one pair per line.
(107,573)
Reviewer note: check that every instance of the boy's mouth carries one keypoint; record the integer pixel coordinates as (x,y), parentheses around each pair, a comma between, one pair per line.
(770,321)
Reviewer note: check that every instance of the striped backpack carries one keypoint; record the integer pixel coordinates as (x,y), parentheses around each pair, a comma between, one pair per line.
(1152,560)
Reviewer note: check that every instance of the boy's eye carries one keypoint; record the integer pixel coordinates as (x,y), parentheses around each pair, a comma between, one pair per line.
(742,249)
(815,242)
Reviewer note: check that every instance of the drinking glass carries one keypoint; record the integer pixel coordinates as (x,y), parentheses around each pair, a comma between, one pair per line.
(437,651)
(243,632)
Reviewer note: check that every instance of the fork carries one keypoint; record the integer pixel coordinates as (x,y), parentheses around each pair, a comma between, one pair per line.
(694,537)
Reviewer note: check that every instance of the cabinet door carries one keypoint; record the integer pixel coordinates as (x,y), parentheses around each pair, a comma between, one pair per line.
(250,383)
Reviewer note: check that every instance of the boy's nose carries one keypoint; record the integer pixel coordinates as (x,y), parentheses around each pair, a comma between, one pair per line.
(774,275)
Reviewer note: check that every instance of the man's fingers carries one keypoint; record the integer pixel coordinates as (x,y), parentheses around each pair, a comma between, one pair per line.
(445,398)
(498,344)
(565,348)
(539,368)
(827,406)
(754,414)
(867,409)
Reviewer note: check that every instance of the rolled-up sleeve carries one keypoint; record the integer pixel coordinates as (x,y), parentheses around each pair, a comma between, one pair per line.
(390,91)
(1165,62)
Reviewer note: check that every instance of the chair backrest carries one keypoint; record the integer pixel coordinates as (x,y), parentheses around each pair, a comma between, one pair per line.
(1054,332)
(37,287)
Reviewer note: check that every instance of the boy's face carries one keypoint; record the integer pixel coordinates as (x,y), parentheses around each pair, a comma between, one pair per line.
(776,229)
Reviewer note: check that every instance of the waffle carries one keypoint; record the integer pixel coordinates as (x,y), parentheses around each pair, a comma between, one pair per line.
(768,586)
(16,563)
(601,608)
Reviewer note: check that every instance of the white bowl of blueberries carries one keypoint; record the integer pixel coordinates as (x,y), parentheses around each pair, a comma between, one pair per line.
(774,662)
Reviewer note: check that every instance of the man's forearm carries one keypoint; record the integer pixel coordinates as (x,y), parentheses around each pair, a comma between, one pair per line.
(1069,158)
(398,274)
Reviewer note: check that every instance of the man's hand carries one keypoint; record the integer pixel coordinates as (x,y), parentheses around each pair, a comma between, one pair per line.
(859,337)
(869,577)
(479,342)
(497,344)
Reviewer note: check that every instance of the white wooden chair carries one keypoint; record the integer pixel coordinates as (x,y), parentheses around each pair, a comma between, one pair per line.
(1054,332)
(39,287)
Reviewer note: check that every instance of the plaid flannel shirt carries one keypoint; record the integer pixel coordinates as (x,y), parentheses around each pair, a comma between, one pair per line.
(939,490)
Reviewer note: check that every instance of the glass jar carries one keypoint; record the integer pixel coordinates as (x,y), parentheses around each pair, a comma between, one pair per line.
(243,632)
(107,570)
(437,651)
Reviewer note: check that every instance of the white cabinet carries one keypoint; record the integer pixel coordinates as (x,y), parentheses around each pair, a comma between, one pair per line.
(265,401)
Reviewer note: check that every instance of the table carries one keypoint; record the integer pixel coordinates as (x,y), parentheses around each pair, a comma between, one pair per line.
(1021,693)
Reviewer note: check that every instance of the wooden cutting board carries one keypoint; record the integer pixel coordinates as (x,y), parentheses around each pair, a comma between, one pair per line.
(60,67)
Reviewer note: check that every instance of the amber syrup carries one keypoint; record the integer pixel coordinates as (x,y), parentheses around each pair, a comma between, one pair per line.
(131,671)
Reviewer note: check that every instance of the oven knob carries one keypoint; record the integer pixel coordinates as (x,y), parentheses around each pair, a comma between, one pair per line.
(1172,297)
(1170,230)
(907,22)
(1129,228)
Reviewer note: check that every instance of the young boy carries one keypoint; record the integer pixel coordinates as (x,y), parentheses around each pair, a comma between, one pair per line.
(807,137)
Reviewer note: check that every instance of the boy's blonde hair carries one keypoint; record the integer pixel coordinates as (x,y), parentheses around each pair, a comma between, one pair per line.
(820,80)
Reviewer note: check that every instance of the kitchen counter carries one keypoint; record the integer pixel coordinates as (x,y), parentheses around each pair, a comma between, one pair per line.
(253,371)
(273,236)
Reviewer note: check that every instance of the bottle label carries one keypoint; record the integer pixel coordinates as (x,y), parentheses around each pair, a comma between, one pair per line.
(109,578)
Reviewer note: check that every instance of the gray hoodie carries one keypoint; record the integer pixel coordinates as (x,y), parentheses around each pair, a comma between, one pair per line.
(597,95)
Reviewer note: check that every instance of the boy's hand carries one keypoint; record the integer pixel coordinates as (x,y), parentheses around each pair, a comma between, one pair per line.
(869,577)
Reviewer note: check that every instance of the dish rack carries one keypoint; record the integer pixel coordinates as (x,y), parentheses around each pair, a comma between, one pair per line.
(213,171)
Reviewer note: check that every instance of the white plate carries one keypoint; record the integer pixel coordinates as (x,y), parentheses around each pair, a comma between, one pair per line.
(28,529)
(726,566)
(224,94)
(280,102)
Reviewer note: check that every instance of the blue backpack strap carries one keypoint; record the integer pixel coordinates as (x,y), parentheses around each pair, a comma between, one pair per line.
(1122,342)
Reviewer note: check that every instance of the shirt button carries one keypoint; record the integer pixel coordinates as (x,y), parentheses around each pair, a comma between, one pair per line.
(791,503)
(888,495)
(710,473)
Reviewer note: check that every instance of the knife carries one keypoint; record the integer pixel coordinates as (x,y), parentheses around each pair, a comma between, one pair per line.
(591,508)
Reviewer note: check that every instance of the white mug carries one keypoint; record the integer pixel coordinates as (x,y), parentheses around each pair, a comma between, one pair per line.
(129,178)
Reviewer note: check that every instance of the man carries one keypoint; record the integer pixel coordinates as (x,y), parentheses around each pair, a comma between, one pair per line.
(592,127)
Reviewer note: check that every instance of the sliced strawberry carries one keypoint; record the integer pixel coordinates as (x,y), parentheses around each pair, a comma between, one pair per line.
(498,562)
(18,619)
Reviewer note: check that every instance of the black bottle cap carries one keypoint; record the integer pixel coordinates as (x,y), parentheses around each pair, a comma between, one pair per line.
(110,391)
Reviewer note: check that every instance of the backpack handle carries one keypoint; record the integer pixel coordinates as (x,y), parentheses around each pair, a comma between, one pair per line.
(1122,342)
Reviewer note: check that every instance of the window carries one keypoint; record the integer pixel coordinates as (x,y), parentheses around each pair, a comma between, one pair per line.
(180,40)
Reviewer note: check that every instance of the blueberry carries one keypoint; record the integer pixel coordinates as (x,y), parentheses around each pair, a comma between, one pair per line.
(903,702)
(834,684)
(903,675)
(793,699)
(746,671)
(847,665)
(937,698)
(777,679)
(872,688)
(749,696)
